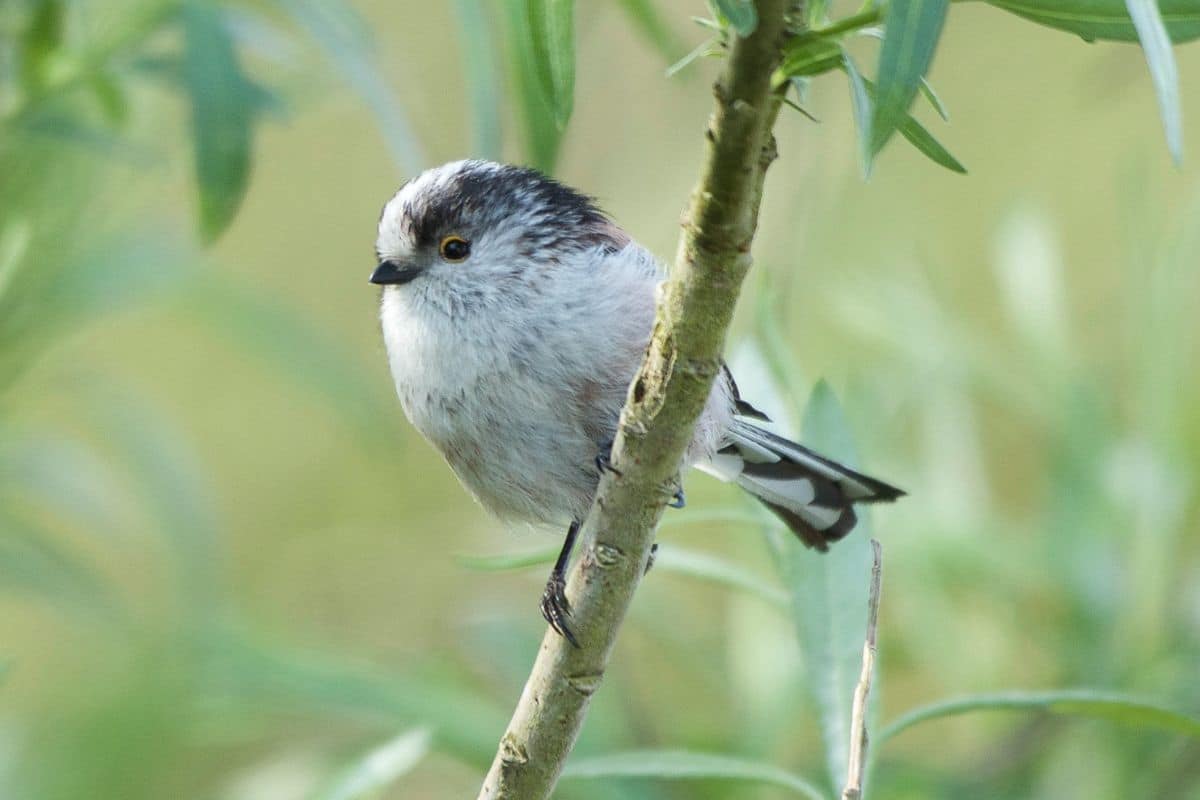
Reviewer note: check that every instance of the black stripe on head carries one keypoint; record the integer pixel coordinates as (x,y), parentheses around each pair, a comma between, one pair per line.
(482,196)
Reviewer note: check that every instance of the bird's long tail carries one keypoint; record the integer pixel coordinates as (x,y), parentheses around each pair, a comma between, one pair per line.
(812,494)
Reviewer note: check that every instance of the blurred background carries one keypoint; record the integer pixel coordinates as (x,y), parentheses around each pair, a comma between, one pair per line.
(230,570)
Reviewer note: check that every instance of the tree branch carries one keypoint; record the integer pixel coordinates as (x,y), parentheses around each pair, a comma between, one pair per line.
(665,400)
(856,767)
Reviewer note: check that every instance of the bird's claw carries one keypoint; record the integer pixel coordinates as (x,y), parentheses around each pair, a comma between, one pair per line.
(556,609)
(604,460)
(677,499)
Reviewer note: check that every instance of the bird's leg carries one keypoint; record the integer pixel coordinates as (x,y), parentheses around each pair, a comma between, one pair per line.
(555,607)
(604,459)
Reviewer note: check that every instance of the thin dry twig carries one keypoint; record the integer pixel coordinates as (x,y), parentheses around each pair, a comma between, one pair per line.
(857,763)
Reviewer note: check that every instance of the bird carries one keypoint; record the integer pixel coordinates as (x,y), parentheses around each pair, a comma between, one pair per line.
(515,314)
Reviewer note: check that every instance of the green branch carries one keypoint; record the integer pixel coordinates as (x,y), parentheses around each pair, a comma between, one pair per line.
(664,402)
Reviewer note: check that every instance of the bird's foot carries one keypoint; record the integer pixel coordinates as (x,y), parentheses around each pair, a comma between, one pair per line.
(604,460)
(650,560)
(555,607)
(677,499)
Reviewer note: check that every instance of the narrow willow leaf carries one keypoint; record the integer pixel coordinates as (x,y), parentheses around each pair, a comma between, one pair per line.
(31,562)
(102,279)
(1123,709)
(1157,46)
(1104,19)
(829,594)
(250,671)
(543,136)
(741,15)
(738,516)
(222,116)
(860,103)
(707,567)
(808,55)
(505,562)
(302,353)
(347,42)
(110,97)
(645,17)
(935,101)
(703,49)
(923,140)
(42,39)
(675,765)
(15,238)
(378,768)
(816,12)
(64,481)
(169,479)
(909,41)
(481,66)
(552,34)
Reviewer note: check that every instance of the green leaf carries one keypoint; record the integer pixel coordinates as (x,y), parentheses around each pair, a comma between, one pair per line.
(668,558)
(923,140)
(741,15)
(347,42)
(504,562)
(703,50)
(249,671)
(1157,46)
(675,765)
(303,353)
(650,24)
(700,516)
(860,102)
(109,96)
(376,769)
(1113,707)
(15,238)
(552,34)
(816,13)
(935,101)
(829,594)
(32,563)
(41,41)
(909,41)
(481,67)
(707,567)
(808,55)
(68,484)
(1104,19)
(930,147)
(168,476)
(223,111)
(543,137)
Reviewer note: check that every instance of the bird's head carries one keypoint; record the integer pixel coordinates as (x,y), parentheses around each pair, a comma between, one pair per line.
(478,223)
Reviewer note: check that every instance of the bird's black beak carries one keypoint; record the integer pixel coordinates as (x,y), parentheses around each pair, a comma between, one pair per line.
(392,273)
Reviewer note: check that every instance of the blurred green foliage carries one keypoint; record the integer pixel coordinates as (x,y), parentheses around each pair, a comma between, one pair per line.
(229,570)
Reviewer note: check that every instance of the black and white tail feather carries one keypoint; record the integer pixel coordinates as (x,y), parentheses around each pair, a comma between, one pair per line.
(813,495)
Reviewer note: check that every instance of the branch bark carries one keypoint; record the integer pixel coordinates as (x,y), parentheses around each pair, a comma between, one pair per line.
(856,767)
(665,400)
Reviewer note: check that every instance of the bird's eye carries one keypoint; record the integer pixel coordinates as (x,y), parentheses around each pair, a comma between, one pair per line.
(454,248)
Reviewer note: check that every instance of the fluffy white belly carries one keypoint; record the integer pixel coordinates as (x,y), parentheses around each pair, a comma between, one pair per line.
(521,451)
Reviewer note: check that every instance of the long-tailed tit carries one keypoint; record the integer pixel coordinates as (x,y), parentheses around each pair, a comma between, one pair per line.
(515,315)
